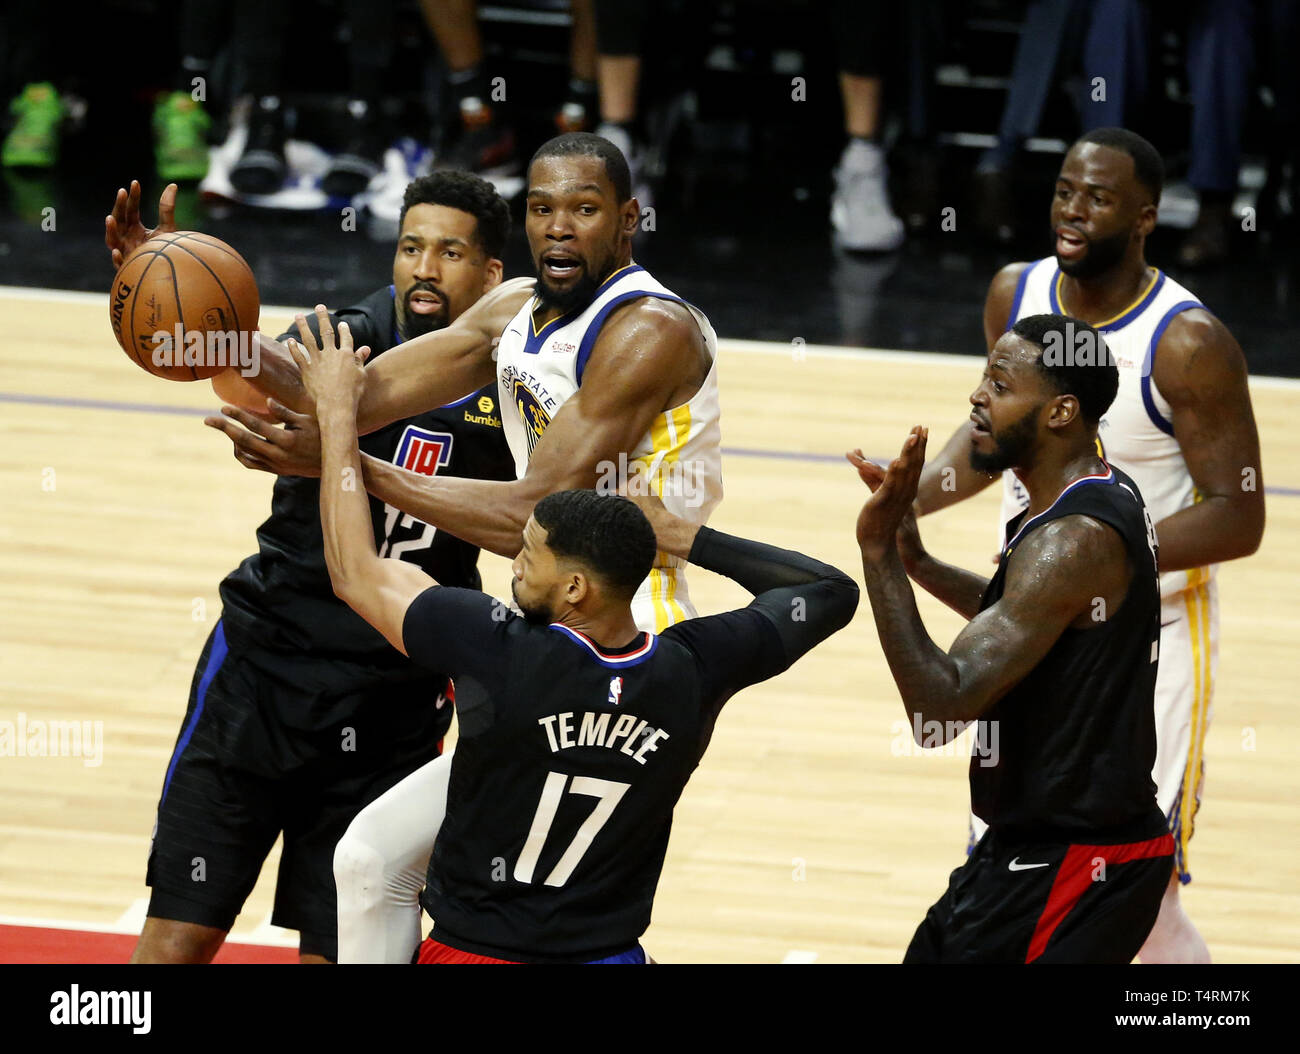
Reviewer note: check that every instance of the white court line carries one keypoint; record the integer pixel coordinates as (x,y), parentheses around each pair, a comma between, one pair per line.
(116,927)
(265,932)
(796,957)
(731,344)
(132,919)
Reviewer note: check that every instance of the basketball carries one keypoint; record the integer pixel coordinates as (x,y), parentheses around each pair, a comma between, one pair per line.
(184,306)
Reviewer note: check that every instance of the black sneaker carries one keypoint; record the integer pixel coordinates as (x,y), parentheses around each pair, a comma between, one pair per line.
(261,168)
(485,145)
(362,156)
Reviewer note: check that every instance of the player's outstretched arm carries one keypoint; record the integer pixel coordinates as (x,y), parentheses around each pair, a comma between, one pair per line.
(798,603)
(637,363)
(960,589)
(440,367)
(1201,372)
(1060,572)
(412,378)
(380,591)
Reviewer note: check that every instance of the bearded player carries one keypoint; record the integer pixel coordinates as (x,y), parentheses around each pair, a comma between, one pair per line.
(607,378)
(1181,426)
(299,712)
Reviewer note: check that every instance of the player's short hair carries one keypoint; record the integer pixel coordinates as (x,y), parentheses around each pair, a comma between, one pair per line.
(1148,165)
(1084,369)
(606,534)
(468,193)
(584,144)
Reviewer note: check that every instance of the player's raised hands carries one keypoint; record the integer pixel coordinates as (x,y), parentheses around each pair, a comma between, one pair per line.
(289,448)
(123,231)
(893,490)
(331,370)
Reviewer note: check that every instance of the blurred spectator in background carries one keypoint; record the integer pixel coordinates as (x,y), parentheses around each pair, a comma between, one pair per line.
(260,36)
(180,119)
(1112,40)
(860,210)
(484,142)
(1110,36)
(43,66)
(1279,201)
(35,70)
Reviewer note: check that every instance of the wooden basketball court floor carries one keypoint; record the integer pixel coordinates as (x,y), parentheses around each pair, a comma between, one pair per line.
(812,831)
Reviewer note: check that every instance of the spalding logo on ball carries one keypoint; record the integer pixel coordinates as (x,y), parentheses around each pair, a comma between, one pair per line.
(184,306)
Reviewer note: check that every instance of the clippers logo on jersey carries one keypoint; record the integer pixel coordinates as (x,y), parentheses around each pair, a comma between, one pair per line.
(615,690)
(423,451)
(535,419)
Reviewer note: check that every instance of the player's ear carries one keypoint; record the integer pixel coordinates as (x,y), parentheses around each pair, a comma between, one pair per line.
(1065,408)
(1147,220)
(631,216)
(576,588)
(492,274)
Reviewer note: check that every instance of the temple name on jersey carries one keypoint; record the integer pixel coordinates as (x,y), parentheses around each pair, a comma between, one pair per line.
(596,730)
(636,477)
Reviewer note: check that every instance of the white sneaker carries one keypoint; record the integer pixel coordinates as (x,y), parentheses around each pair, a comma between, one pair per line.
(860,211)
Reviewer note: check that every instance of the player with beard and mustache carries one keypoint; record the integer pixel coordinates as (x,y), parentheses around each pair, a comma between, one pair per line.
(606,378)
(1057,665)
(1182,426)
(290,671)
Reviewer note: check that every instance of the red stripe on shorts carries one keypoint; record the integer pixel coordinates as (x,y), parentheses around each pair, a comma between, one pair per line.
(438,954)
(1074,876)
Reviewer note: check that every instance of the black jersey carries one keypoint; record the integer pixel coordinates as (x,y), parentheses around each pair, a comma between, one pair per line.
(572,756)
(280,599)
(1075,739)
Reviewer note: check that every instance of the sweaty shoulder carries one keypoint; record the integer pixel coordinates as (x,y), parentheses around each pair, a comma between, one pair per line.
(1195,341)
(651,328)
(1067,562)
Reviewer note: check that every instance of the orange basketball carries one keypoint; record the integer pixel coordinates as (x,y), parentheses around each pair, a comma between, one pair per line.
(184,306)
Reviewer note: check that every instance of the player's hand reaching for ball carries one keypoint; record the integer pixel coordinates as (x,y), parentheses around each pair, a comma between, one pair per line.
(893,490)
(123,231)
(332,372)
(291,448)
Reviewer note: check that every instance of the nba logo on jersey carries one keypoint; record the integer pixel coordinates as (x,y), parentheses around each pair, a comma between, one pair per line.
(423,451)
(615,690)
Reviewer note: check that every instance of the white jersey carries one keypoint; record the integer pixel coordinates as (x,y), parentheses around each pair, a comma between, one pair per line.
(680,457)
(1136,434)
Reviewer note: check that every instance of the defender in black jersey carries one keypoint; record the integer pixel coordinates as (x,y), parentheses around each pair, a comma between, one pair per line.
(1060,657)
(300,713)
(577,731)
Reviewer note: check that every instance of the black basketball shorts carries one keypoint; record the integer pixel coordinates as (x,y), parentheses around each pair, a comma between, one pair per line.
(245,769)
(1047,902)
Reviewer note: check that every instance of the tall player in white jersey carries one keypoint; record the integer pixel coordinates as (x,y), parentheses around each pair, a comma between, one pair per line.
(606,378)
(1181,426)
